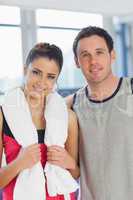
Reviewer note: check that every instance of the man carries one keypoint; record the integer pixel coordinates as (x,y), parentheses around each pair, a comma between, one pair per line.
(104,110)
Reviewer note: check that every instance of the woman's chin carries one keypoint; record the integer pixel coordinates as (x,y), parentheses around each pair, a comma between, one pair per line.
(39,95)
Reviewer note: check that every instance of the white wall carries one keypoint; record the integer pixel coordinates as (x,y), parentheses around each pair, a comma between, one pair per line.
(106,7)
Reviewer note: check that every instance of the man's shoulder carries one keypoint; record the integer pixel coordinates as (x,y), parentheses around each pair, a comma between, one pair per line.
(131,84)
(71,98)
(128,82)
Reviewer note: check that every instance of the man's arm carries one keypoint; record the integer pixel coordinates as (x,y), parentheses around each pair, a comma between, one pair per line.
(69,100)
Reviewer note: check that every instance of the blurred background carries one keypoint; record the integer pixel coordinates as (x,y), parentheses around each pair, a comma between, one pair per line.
(26,22)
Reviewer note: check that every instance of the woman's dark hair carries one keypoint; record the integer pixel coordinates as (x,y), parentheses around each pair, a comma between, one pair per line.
(90,31)
(46,50)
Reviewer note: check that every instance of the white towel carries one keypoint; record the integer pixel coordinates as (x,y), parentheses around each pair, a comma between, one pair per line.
(30,183)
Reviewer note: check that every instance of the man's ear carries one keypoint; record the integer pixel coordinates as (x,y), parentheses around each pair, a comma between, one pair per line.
(113,55)
(77,62)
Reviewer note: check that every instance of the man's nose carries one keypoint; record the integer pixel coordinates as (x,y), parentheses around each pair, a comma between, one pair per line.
(93,59)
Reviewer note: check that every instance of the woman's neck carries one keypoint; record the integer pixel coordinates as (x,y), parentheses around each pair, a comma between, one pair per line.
(37,108)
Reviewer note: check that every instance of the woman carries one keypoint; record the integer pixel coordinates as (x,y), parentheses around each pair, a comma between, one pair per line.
(43,65)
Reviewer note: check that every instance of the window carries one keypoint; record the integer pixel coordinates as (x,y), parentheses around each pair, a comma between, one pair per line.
(11,67)
(9,15)
(124,48)
(67,19)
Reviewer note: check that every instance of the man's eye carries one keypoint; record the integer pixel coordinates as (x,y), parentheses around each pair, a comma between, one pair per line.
(85,55)
(100,52)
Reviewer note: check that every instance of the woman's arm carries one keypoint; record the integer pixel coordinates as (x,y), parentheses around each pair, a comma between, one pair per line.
(26,158)
(67,158)
(6,173)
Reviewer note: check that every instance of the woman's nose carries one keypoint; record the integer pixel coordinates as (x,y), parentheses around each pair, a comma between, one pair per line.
(43,82)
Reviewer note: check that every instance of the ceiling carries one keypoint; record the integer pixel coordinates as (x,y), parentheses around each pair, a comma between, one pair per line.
(105,7)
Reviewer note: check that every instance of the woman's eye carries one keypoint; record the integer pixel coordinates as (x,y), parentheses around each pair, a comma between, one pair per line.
(51,77)
(35,72)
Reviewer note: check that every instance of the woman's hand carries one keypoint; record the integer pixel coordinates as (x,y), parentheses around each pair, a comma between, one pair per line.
(57,155)
(29,156)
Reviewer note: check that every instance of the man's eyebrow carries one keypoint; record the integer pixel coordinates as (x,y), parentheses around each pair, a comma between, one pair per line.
(97,49)
(101,49)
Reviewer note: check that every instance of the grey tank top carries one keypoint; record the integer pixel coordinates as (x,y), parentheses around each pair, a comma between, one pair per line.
(106,144)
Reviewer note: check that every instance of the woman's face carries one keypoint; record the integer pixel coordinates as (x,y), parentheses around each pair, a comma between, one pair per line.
(40,77)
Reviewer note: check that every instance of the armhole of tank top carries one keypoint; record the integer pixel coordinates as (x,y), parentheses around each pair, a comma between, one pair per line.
(74,100)
(131,81)
(5,126)
(2,123)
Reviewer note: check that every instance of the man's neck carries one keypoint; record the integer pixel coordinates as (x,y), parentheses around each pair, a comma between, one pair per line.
(103,89)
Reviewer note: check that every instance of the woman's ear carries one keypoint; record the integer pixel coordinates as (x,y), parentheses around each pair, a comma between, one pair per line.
(24,76)
(76,62)
(25,70)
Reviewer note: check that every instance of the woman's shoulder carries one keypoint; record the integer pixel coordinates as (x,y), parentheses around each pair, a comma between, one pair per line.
(1,115)
(1,120)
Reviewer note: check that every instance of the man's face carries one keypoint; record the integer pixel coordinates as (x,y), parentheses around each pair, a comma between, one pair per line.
(94,59)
